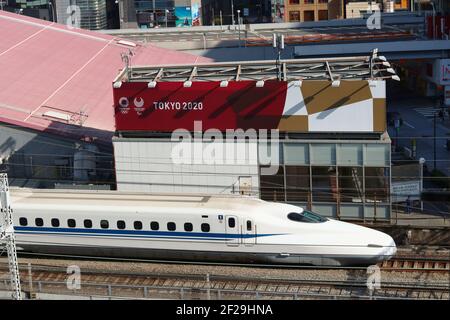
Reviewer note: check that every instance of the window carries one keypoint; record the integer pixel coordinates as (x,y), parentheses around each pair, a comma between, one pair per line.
(188,227)
(323,15)
(205,227)
(23,221)
(351,186)
(308,15)
(309,1)
(377,184)
(55,222)
(171,226)
(104,224)
(88,223)
(71,223)
(121,224)
(231,222)
(294,1)
(138,225)
(306,216)
(154,225)
(294,16)
(272,186)
(324,184)
(249,225)
(297,183)
(39,222)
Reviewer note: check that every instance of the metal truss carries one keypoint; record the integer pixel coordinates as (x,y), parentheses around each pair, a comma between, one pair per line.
(7,237)
(372,67)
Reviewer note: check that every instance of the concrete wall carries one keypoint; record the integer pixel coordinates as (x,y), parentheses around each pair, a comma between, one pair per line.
(152,165)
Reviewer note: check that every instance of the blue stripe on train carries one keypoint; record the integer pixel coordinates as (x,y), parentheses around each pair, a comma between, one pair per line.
(137,233)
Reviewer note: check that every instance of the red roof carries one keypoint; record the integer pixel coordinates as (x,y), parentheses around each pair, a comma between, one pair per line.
(53,76)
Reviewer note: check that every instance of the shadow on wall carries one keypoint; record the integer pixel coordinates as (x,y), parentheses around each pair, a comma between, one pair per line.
(38,159)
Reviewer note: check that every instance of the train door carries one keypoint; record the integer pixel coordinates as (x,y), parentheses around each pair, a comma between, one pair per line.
(249,232)
(232,230)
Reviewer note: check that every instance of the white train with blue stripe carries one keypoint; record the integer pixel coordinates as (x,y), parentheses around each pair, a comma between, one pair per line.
(188,227)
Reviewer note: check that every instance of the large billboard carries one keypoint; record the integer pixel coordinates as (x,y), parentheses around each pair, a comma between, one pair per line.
(310,106)
(183,16)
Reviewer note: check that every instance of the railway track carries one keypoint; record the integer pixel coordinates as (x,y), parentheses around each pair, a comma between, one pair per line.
(46,279)
(424,264)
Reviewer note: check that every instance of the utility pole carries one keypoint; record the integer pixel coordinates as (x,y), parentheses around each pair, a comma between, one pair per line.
(434,141)
(232,12)
(7,236)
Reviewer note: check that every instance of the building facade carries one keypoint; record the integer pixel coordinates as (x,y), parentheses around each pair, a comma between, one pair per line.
(227,128)
(306,10)
(86,14)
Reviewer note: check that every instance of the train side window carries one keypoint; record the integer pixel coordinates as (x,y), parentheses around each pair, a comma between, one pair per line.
(154,225)
(88,223)
(205,227)
(23,222)
(71,223)
(55,222)
(121,224)
(104,224)
(231,222)
(138,225)
(249,225)
(171,226)
(188,227)
(39,222)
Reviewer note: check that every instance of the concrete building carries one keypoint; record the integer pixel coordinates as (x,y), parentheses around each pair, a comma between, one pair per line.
(85,14)
(306,10)
(311,133)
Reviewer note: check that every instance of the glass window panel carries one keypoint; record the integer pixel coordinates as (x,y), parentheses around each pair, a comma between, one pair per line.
(351,184)
(350,154)
(324,184)
(297,183)
(272,186)
(296,154)
(323,154)
(377,184)
(377,155)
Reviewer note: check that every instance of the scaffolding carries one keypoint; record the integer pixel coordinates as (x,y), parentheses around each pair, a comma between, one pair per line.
(7,237)
(370,67)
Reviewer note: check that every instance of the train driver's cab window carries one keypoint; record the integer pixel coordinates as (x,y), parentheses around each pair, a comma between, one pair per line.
(154,225)
(71,223)
(231,222)
(138,225)
(88,223)
(205,227)
(39,222)
(188,227)
(55,222)
(104,224)
(171,226)
(23,222)
(249,225)
(306,216)
(121,224)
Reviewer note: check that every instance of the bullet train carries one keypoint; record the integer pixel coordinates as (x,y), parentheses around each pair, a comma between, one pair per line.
(221,228)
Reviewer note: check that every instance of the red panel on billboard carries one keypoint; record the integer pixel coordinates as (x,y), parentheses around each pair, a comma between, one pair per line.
(170,105)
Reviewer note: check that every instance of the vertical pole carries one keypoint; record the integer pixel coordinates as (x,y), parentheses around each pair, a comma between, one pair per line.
(434,142)
(221,19)
(232,12)
(208,287)
(30,280)
(7,233)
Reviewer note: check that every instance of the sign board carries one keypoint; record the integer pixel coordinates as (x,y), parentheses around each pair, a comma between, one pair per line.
(316,106)
(183,16)
(400,190)
(447,96)
(246,12)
